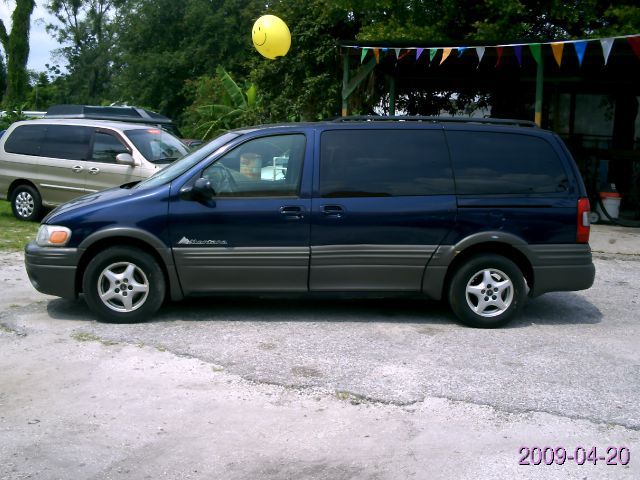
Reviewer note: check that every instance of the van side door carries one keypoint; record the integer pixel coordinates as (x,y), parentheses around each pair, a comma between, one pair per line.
(383,201)
(62,162)
(251,233)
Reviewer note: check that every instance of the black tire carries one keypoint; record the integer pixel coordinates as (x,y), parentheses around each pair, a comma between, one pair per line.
(487,291)
(125,266)
(26,203)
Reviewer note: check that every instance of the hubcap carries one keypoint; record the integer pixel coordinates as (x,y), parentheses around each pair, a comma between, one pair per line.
(489,293)
(123,287)
(24,204)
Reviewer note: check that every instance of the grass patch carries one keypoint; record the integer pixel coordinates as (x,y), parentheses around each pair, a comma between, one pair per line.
(350,397)
(14,233)
(90,337)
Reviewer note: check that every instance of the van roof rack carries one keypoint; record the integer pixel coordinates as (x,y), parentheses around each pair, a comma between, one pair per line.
(400,118)
(115,113)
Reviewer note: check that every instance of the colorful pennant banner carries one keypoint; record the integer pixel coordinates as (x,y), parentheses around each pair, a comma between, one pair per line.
(536,51)
(432,53)
(580,49)
(606,43)
(518,50)
(557,48)
(445,54)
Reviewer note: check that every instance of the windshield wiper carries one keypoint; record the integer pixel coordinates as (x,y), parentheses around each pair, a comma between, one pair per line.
(165,160)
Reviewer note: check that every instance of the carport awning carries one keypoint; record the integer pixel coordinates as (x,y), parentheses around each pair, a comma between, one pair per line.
(449,66)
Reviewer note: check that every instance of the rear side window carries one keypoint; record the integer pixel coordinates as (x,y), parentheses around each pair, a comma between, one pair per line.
(384,163)
(56,141)
(26,140)
(66,141)
(503,163)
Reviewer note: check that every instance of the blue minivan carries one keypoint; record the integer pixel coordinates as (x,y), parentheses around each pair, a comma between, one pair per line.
(482,213)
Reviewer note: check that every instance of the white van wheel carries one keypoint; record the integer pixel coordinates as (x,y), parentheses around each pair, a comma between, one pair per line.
(26,203)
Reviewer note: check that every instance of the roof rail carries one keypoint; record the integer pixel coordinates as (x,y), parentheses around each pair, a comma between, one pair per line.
(399,118)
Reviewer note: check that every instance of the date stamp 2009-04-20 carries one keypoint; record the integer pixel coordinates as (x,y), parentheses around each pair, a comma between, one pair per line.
(579,455)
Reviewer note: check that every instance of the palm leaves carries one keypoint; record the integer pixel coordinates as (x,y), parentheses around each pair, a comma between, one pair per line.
(235,105)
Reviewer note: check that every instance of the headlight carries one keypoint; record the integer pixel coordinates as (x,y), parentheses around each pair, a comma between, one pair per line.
(53,236)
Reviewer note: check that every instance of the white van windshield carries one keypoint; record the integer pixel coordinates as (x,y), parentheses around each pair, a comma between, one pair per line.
(156,145)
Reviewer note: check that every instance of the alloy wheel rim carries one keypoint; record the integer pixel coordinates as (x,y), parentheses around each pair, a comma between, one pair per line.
(25,204)
(489,292)
(123,287)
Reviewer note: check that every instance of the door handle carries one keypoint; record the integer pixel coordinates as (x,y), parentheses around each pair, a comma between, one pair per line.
(332,211)
(77,168)
(94,170)
(292,212)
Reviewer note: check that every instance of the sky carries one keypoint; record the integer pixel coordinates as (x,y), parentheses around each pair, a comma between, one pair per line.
(40,43)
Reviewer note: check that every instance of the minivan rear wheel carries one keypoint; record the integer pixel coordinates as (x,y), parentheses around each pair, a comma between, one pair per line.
(123,285)
(487,291)
(26,203)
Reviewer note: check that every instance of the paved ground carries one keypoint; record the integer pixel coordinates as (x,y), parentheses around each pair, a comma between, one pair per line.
(336,389)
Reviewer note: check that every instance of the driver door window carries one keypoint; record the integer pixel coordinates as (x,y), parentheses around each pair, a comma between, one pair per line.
(106,148)
(262,167)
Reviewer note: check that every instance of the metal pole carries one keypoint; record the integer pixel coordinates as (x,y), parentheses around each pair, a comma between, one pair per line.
(392,95)
(539,90)
(345,83)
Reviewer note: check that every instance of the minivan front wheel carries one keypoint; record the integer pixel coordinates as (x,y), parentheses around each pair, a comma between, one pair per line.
(123,285)
(487,291)
(26,203)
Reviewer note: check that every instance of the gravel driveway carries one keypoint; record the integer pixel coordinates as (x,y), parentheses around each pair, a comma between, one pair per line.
(301,388)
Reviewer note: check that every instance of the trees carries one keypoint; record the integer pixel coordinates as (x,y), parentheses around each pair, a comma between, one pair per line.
(87,35)
(220,104)
(16,47)
(488,21)
(154,53)
(165,43)
(306,83)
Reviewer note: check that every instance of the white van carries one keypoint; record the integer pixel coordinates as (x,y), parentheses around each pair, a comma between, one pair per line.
(44,163)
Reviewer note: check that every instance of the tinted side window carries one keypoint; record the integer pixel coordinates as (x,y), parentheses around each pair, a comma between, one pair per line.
(499,163)
(66,141)
(382,163)
(262,167)
(26,140)
(106,147)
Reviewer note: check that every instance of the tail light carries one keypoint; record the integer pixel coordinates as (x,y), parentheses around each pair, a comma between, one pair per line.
(583,228)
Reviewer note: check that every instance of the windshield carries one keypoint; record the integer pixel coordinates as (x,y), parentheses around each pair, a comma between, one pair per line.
(176,169)
(157,145)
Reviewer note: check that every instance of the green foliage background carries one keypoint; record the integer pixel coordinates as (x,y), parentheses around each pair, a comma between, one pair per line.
(164,54)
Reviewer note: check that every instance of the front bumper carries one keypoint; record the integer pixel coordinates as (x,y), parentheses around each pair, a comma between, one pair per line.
(52,270)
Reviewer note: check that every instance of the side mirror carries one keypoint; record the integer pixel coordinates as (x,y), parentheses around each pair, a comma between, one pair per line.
(201,189)
(125,159)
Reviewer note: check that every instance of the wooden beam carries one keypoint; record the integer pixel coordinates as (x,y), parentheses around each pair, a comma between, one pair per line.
(349,85)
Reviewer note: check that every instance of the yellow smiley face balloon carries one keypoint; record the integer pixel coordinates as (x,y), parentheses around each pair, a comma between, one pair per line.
(271,36)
